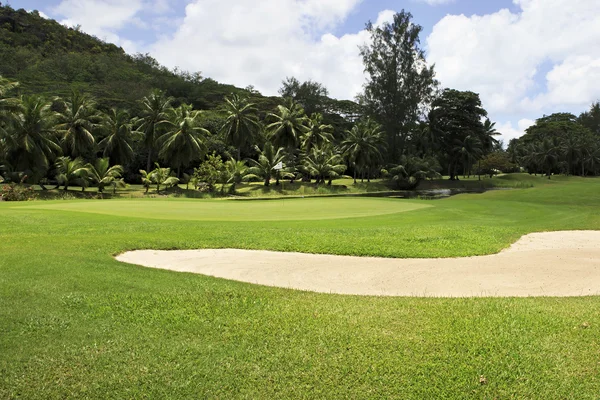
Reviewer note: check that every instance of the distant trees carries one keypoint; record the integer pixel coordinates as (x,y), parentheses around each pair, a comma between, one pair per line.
(400,84)
(402,127)
(456,123)
(183,141)
(242,124)
(560,143)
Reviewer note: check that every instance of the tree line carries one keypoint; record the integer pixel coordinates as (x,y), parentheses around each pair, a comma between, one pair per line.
(403,127)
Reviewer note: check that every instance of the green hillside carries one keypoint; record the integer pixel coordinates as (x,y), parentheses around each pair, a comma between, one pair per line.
(50,59)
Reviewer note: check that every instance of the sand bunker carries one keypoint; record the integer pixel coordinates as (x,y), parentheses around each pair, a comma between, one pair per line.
(539,264)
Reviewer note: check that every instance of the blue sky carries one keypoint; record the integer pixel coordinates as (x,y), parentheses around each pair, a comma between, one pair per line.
(526,58)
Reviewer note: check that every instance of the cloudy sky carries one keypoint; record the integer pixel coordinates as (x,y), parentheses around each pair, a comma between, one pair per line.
(526,58)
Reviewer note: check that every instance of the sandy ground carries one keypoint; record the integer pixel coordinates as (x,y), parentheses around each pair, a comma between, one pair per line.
(539,264)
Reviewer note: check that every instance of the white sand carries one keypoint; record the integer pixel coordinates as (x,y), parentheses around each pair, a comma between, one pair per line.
(540,264)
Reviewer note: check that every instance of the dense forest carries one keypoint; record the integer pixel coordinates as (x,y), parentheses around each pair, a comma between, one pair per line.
(75,111)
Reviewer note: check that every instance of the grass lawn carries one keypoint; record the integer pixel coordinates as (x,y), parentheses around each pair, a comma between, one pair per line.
(76,323)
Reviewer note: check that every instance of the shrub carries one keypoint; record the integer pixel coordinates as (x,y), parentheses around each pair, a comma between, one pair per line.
(17,192)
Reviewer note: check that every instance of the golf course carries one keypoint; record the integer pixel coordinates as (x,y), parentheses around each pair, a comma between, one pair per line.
(79,324)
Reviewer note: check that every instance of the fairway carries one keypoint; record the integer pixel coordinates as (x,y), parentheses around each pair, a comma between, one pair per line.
(230,210)
(76,323)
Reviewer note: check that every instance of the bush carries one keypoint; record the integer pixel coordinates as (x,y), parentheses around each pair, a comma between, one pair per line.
(17,192)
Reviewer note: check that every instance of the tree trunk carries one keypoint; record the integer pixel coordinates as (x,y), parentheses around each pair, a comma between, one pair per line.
(355,176)
(479,168)
(239,154)
(149,162)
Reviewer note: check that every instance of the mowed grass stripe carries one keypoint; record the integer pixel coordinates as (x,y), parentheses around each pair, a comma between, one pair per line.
(223,210)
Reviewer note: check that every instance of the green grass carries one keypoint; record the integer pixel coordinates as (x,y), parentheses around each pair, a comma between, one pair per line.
(77,324)
(229,210)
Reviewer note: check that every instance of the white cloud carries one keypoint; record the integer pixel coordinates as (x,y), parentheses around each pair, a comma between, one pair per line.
(508,131)
(499,55)
(260,43)
(435,2)
(101,18)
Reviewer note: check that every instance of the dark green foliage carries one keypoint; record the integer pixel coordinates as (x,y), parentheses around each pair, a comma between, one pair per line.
(400,83)
(455,122)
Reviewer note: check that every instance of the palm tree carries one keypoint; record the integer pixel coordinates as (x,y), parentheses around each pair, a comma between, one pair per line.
(184,139)
(289,123)
(488,142)
(8,105)
(268,159)
(154,113)
(324,163)
(77,121)
(71,172)
(469,149)
(570,149)
(146,179)
(236,172)
(31,145)
(592,158)
(162,177)
(317,133)
(547,155)
(102,174)
(413,170)
(241,125)
(362,146)
(117,143)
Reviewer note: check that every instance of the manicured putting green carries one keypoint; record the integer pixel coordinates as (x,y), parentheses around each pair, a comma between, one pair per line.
(228,210)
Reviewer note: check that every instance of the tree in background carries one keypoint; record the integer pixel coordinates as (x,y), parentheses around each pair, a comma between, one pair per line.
(289,124)
(78,118)
(235,172)
(242,124)
(117,145)
(154,113)
(264,167)
(100,173)
(312,96)
(71,172)
(324,163)
(316,133)
(363,146)
(184,139)
(29,142)
(400,83)
(455,120)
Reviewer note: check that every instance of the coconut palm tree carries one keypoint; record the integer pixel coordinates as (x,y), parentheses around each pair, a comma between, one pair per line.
(547,155)
(363,145)
(153,115)
(71,172)
(184,139)
(102,174)
(289,124)
(268,159)
(236,172)
(570,150)
(146,179)
(317,133)
(592,159)
(77,120)
(324,164)
(162,177)
(242,124)
(117,144)
(31,145)
(469,149)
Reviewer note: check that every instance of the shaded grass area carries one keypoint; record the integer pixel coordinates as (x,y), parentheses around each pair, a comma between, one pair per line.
(76,323)
(257,190)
